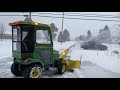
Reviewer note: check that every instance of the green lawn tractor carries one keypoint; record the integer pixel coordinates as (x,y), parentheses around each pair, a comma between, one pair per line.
(32,50)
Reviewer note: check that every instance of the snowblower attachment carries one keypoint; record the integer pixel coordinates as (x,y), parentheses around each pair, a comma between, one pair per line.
(70,64)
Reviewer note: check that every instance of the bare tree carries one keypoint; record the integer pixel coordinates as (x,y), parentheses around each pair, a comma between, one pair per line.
(54,29)
(2,27)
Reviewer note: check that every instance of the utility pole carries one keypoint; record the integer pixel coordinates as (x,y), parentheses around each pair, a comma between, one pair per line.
(62,24)
(62,21)
(1,33)
(28,17)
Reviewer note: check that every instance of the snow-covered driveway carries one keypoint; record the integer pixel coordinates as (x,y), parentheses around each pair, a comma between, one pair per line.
(101,64)
(88,70)
(5,72)
(92,70)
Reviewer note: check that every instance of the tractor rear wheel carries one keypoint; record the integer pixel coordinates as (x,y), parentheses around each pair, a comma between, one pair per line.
(15,70)
(61,68)
(33,71)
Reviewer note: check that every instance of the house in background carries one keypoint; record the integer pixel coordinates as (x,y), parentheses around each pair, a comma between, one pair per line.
(6,36)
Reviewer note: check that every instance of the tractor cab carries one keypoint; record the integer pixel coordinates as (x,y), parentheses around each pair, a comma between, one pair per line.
(29,37)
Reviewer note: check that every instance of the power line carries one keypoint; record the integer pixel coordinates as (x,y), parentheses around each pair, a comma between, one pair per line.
(85,15)
(51,13)
(59,21)
(76,14)
(66,15)
(101,16)
(70,14)
(65,18)
(60,13)
(16,15)
(79,18)
(90,14)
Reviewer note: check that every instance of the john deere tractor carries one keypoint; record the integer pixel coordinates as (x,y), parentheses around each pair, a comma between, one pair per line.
(32,50)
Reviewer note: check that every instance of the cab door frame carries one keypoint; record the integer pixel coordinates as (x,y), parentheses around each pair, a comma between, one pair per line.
(41,47)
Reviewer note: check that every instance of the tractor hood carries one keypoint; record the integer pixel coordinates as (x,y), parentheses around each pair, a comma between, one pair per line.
(55,51)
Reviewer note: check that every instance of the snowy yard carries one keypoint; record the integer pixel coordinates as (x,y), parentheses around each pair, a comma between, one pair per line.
(105,59)
(5,48)
(95,64)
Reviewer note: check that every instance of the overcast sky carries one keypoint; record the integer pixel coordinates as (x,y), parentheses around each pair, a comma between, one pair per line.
(76,27)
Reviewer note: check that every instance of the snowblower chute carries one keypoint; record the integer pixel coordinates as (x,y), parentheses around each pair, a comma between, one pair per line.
(70,64)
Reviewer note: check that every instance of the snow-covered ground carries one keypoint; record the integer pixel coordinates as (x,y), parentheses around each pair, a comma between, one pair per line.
(5,48)
(105,59)
(95,64)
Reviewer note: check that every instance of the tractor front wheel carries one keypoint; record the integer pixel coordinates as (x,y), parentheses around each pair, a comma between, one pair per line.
(62,68)
(15,70)
(33,71)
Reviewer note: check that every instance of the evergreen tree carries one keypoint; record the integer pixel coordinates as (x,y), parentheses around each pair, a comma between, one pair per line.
(89,34)
(104,35)
(100,31)
(60,37)
(66,35)
(80,37)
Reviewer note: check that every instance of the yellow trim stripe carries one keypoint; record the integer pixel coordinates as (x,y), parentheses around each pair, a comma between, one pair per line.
(43,47)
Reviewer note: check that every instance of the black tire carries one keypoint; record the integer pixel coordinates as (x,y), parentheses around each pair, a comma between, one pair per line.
(15,70)
(30,70)
(61,68)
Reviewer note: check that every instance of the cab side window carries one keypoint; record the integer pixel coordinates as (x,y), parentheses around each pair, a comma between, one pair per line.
(42,37)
